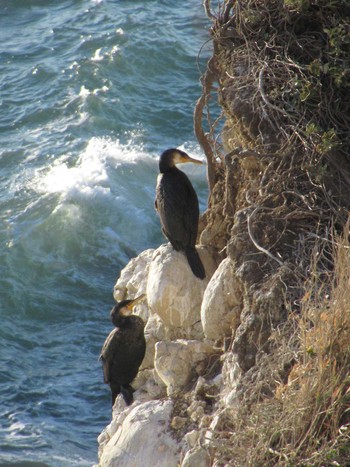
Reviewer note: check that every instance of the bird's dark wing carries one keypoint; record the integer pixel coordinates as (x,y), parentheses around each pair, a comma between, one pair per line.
(177,205)
(191,216)
(110,350)
(123,352)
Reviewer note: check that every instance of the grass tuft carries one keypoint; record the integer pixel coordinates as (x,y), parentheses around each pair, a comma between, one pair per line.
(307,419)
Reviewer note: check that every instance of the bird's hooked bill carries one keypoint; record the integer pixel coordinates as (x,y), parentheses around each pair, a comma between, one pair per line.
(191,159)
(196,161)
(135,301)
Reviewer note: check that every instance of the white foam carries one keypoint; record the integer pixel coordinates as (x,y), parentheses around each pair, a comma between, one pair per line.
(90,174)
(115,49)
(89,171)
(107,171)
(98,56)
(101,54)
(84,92)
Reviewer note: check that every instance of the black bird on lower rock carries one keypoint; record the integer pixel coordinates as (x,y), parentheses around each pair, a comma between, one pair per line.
(123,350)
(177,205)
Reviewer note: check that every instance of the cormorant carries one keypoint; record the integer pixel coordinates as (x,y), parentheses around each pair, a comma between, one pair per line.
(123,350)
(177,205)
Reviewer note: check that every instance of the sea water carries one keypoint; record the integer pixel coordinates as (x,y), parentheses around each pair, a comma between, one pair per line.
(91,92)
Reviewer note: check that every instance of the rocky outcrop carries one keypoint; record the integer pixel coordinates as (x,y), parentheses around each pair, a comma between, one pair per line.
(219,349)
(174,294)
(201,338)
(151,431)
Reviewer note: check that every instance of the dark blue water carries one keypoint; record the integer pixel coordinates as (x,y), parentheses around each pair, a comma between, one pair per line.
(90,93)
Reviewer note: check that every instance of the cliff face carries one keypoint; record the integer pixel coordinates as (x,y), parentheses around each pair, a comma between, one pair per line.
(195,404)
(250,366)
(189,375)
(281,178)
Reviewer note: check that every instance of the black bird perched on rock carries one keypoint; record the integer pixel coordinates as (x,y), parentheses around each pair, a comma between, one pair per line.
(177,205)
(123,350)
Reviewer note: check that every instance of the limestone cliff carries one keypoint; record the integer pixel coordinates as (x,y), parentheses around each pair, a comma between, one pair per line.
(179,356)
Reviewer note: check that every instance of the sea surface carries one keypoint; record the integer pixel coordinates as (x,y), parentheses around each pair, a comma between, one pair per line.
(91,92)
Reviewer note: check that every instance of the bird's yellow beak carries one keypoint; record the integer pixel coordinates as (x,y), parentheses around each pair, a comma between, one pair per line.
(131,305)
(184,159)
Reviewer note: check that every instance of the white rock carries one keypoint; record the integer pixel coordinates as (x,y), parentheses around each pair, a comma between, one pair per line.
(133,276)
(174,293)
(209,435)
(191,438)
(132,281)
(148,385)
(222,302)
(119,412)
(196,410)
(231,375)
(155,328)
(175,361)
(142,439)
(196,458)
(154,332)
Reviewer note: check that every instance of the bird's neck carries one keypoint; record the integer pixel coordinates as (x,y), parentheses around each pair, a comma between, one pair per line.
(165,167)
(166,162)
(121,321)
(126,322)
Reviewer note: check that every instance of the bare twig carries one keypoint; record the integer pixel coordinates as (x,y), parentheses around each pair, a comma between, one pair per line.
(207,82)
(206,4)
(256,244)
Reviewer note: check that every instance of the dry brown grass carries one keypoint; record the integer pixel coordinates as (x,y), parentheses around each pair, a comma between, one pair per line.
(307,420)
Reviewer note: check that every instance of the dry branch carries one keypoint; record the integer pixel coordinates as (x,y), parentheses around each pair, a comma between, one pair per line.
(207,83)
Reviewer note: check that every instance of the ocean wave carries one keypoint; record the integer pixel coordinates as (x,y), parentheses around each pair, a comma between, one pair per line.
(91,173)
(91,93)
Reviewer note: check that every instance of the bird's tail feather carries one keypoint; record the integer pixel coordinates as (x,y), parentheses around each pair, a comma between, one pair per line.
(127,393)
(115,389)
(195,262)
